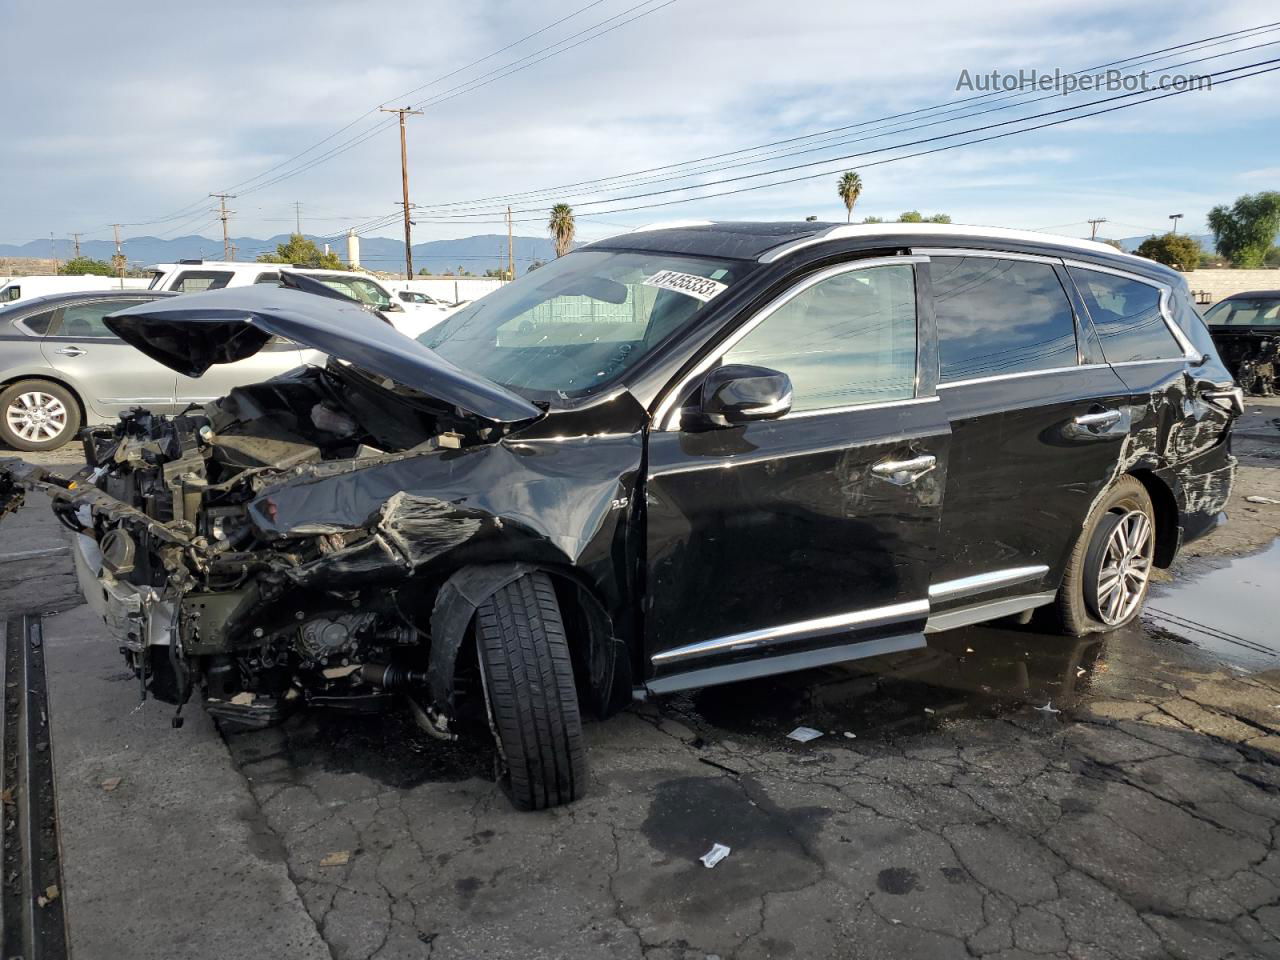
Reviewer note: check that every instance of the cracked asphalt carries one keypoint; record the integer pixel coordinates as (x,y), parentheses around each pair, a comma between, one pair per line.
(1006,794)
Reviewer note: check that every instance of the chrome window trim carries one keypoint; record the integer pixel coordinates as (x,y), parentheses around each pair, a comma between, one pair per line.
(1189,351)
(989,254)
(982,582)
(942,232)
(878,405)
(1140,363)
(868,617)
(1021,373)
(668,418)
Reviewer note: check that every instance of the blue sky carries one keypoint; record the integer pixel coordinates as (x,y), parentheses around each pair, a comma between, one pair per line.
(140,114)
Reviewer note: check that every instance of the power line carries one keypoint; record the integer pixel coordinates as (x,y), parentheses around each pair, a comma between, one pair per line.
(937,109)
(921,153)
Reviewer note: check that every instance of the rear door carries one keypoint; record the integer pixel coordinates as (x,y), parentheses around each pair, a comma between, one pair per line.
(277,357)
(110,376)
(1037,422)
(806,539)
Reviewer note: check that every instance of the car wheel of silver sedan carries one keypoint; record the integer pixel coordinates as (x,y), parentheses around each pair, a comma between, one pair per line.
(37,415)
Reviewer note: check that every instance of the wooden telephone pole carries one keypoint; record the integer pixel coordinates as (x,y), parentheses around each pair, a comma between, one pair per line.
(404,182)
(511,254)
(1093,227)
(223,213)
(75,239)
(118,261)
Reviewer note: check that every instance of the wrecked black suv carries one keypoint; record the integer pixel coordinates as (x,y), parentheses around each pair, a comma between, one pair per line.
(675,458)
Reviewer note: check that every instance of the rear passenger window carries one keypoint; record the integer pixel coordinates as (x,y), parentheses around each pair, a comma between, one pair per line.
(1000,316)
(39,323)
(85,320)
(847,340)
(1126,315)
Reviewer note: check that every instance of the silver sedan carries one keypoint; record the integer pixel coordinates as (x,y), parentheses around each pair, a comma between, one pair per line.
(61,368)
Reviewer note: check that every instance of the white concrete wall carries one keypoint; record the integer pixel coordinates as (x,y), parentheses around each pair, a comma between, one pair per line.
(1219,284)
(450,289)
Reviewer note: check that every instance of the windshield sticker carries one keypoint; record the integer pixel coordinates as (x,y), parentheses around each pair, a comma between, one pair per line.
(700,288)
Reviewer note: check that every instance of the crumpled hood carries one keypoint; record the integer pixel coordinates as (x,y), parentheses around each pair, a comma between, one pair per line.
(191,333)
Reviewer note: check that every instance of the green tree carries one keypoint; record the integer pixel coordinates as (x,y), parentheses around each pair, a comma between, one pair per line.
(79,266)
(849,188)
(873,219)
(1175,250)
(561,228)
(1246,232)
(915,216)
(303,253)
(938,218)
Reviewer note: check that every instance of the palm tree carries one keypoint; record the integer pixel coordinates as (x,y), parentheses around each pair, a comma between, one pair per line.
(850,188)
(560,227)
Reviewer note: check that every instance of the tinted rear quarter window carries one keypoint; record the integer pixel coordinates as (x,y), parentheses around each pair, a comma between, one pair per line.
(193,281)
(1126,315)
(999,316)
(38,323)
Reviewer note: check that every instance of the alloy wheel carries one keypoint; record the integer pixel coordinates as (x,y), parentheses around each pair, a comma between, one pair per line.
(1126,567)
(36,416)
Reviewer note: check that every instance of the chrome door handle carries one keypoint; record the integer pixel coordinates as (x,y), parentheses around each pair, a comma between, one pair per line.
(70,352)
(1106,418)
(902,472)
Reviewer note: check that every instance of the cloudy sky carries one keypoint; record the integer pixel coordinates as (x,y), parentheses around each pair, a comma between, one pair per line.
(135,113)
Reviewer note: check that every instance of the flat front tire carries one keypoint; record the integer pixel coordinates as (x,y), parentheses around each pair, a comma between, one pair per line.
(37,415)
(1109,571)
(529,688)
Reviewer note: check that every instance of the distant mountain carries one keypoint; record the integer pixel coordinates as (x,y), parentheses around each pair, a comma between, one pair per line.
(475,254)
(1131,244)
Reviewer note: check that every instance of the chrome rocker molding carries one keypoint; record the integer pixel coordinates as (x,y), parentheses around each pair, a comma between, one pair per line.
(990,610)
(982,582)
(872,617)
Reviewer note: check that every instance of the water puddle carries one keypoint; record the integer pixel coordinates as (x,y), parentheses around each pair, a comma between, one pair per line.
(1231,609)
(976,672)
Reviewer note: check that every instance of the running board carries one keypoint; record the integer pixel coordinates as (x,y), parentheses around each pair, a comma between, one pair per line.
(786,663)
(991,610)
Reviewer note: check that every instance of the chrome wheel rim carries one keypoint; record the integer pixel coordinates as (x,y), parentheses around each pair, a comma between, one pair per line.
(1126,567)
(36,416)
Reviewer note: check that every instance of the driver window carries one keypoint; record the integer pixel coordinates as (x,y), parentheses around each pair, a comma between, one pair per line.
(847,340)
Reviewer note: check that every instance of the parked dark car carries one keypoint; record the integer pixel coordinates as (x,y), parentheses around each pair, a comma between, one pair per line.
(1246,330)
(675,458)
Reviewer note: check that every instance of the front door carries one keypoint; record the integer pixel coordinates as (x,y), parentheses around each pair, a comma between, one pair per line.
(110,376)
(787,543)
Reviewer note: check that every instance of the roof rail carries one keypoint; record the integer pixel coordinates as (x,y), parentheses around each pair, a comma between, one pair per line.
(935,230)
(190,262)
(670,225)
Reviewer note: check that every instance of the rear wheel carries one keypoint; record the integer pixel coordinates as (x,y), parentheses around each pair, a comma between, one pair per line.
(529,688)
(37,415)
(1109,571)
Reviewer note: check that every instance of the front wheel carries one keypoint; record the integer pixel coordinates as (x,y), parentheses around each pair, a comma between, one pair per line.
(1109,571)
(529,688)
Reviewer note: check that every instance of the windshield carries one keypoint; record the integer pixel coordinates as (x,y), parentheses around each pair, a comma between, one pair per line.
(1260,312)
(576,324)
(357,288)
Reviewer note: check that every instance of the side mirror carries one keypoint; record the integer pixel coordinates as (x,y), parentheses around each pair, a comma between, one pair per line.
(393,307)
(740,393)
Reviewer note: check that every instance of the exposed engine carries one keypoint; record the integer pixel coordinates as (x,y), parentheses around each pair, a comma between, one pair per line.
(1252,358)
(210,601)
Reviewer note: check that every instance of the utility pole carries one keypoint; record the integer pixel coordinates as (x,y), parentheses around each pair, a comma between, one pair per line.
(223,213)
(1093,227)
(404,182)
(75,239)
(54,245)
(118,260)
(511,254)
(297,217)
(1175,217)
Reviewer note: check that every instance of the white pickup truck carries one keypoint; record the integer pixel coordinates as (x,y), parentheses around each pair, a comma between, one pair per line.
(194,276)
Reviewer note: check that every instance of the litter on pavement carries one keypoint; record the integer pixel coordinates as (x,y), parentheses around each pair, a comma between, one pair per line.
(804,734)
(713,856)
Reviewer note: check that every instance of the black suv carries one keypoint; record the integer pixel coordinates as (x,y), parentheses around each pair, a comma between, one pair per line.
(678,457)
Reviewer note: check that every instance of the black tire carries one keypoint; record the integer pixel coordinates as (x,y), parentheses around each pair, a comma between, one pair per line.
(1076,605)
(533,704)
(12,405)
